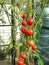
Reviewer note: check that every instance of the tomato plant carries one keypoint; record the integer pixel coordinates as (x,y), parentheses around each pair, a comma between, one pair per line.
(29,23)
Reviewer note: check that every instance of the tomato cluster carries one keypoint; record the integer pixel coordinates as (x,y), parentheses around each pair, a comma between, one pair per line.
(29,22)
(28,32)
(21,61)
(32,44)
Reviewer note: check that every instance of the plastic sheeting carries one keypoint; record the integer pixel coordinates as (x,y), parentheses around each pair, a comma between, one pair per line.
(44,38)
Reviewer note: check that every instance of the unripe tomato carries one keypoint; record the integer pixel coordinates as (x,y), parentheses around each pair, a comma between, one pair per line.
(24,23)
(31,43)
(34,47)
(30,21)
(20,62)
(24,16)
(23,56)
(30,32)
(23,30)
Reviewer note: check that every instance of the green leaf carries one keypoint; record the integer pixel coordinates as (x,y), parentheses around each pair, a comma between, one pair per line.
(38,24)
(40,61)
(1,1)
(48,15)
(10,45)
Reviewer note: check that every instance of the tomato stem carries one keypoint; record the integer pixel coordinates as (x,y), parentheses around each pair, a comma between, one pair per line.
(29,55)
(34,9)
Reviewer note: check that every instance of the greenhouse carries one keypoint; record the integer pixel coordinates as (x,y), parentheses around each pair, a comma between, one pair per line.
(24,32)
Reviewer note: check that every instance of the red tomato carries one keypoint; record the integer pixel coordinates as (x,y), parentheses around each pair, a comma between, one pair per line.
(30,32)
(24,64)
(34,47)
(22,59)
(23,30)
(23,56)
(24,16)
(24,23)
(30,21)
(20,62)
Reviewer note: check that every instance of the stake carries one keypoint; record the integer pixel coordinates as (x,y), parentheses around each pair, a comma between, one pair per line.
(13,31)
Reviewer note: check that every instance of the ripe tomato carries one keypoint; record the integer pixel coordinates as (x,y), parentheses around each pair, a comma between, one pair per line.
(23,30)
(24,16)
(24,23)
(23,56)
(24,64)
(30,21)
(22,59)
(30,32)
(31,43)
(20,62)
(34,47)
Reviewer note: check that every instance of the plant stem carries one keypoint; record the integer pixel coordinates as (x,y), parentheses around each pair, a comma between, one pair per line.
(29,4)
(13,31)
(43,9)
(34,9)
(41,14)
(29,56)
